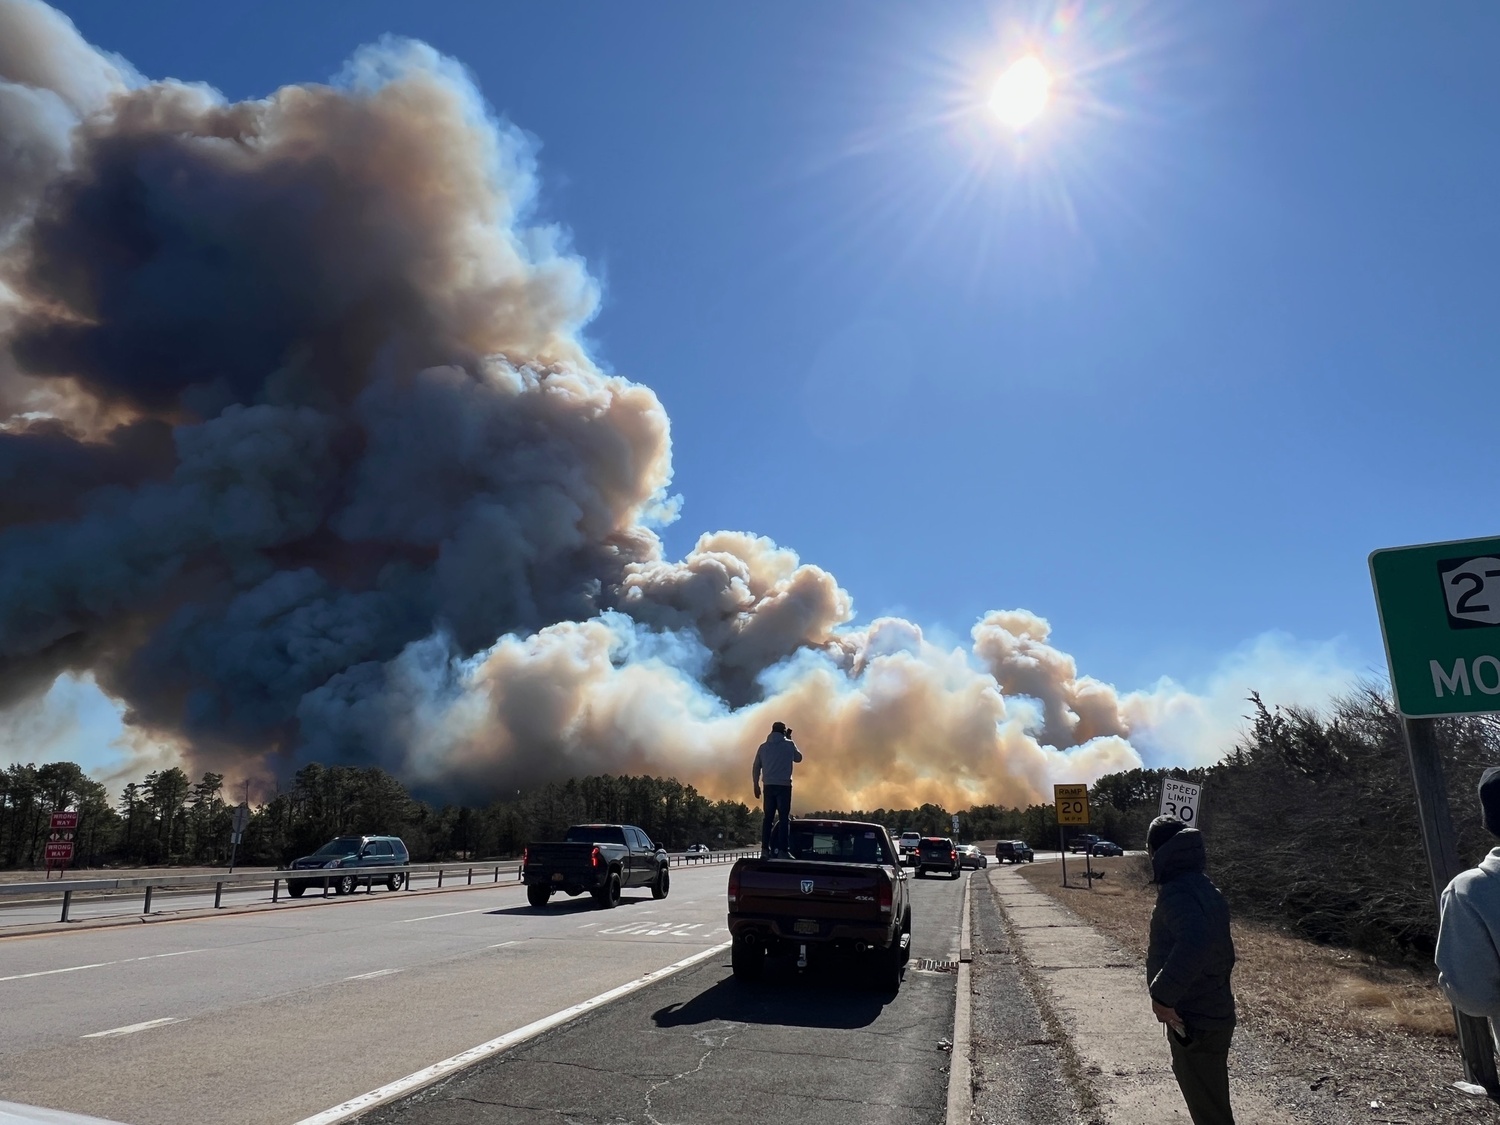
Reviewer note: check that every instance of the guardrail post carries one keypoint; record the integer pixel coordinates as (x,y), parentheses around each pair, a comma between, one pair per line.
(440,877)
(369,884)
(147,908)
(497,872)
(218,894)
(275,890)
(471,877)
(67,904)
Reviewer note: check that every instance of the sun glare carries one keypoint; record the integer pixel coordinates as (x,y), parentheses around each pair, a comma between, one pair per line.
(1021,93)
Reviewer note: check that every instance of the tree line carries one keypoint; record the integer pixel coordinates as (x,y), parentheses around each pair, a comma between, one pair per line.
(1310,818)
(166,818)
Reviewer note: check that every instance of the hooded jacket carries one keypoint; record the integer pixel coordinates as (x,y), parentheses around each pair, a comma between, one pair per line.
(774,759)
(1468,944)
(1191,953)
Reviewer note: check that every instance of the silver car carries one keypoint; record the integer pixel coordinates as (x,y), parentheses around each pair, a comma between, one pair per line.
(970,856)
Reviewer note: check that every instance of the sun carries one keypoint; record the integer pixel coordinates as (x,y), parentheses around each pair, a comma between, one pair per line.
(1021,93)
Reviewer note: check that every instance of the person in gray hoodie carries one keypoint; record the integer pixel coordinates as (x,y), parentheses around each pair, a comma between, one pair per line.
(1188,962)
(1468,944)
(773,764)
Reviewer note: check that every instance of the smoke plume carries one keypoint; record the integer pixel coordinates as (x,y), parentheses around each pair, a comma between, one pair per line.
(305,459)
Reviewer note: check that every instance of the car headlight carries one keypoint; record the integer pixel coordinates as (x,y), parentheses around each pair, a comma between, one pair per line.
(331,863)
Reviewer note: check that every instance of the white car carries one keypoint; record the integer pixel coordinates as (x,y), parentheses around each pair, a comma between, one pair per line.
(906,847)
(698,849)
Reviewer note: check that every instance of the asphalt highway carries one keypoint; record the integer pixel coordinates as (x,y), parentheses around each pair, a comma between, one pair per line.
(274,1016)
(704,1049)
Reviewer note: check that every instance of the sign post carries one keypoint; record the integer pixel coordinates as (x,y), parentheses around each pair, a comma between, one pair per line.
(1072,802)
(1180,799)
(237,829)
(1439,607)
(58,850)
(955,824)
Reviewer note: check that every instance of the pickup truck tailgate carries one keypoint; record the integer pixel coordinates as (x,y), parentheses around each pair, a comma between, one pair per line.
(832,892)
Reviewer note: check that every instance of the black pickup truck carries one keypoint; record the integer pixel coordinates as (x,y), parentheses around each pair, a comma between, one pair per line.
(602,859)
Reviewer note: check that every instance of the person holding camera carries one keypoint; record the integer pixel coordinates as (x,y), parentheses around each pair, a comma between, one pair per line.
(773,765)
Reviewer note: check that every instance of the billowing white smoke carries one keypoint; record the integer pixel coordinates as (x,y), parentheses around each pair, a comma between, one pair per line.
(305,459)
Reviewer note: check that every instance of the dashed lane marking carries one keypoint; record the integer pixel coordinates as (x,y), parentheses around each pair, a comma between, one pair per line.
(450,914)
(131,1029)
(100,964)
(372,976)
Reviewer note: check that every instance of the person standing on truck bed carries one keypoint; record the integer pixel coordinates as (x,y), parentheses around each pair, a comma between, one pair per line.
(773,762)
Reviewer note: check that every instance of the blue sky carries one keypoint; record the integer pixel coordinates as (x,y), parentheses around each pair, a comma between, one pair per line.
(1164,373)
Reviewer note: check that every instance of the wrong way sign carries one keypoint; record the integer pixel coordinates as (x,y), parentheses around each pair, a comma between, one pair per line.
(1180,799)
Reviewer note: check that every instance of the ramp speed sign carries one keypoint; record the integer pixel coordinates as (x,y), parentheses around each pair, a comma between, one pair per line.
(1072,803)
(1180,799)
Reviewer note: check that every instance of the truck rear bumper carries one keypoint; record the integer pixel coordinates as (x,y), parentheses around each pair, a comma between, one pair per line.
(592,879)
(775,929)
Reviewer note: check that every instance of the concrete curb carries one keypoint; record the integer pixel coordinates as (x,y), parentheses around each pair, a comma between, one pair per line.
(960,1069)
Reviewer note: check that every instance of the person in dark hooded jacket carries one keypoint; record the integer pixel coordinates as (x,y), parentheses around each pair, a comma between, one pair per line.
(1188,964)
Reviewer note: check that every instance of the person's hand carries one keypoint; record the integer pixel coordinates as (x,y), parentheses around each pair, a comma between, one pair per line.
(757,792)
(1168,1016)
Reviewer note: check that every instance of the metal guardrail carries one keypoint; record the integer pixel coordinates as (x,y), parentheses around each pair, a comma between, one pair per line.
(311,876)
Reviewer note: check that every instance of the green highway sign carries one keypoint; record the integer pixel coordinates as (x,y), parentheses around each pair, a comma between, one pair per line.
(1439,608)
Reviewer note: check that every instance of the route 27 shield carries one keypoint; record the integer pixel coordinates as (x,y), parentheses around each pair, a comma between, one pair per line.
(807,885)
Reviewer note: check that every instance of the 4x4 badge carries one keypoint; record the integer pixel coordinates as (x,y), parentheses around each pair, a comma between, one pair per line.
(807,886)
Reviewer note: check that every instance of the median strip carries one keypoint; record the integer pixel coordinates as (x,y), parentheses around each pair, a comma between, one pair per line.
(428,1075)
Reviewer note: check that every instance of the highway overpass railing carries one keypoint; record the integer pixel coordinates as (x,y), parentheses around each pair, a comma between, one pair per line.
(325,879)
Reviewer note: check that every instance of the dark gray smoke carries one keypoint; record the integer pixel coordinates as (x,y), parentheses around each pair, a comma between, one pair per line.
(303,457)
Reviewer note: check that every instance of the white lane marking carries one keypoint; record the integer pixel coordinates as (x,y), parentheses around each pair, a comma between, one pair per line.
(372,976)
(100,964)
(430,1074)
(131,1029)
(451,914)
(586,925)
(503,944)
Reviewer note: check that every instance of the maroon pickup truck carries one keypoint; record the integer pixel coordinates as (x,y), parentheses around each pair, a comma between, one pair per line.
(844,891)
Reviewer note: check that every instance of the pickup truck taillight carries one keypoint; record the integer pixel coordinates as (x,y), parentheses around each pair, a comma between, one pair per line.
(734,886)
(953,856)
(884,892)
(597,858)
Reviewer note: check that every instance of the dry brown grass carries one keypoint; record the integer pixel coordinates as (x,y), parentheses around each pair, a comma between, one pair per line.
(1354,1028)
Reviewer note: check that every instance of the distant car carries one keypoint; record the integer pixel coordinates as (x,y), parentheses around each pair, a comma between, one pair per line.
(970,856)
(1014,851)
(346,855)
(698,849)
(937,853)
(906,847)
(1106,847)
(1082,842)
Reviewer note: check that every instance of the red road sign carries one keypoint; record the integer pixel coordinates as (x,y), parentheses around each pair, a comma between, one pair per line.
(64,820)
(58,851)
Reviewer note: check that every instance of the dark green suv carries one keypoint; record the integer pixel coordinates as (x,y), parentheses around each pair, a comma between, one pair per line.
(346,855)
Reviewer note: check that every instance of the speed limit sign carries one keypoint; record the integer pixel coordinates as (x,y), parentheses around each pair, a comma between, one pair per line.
(1180,799)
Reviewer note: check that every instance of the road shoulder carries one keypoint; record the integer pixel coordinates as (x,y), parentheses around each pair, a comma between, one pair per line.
(1019,1071)
(1094,993)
